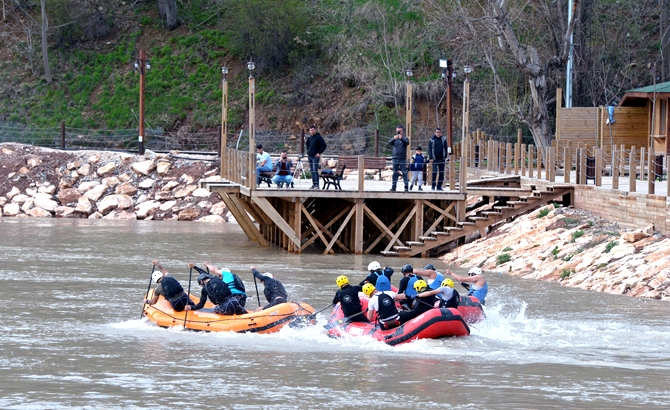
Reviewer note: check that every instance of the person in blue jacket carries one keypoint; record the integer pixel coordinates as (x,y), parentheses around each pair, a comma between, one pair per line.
(233,281)
(475,283)
(417,168)
(218,293)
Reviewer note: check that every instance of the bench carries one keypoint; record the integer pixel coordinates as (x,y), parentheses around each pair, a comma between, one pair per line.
(351,162)
(335,177)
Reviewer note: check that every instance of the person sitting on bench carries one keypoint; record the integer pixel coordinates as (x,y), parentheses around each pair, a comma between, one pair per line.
(283,174)
(263,162)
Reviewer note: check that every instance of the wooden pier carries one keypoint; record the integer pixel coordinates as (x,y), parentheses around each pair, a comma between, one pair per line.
(364,217)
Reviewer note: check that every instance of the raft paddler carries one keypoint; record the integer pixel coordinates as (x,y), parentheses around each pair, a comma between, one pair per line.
(214,289)
(273,289)
(350,302)
(170,288)
(233,281)
(475,283)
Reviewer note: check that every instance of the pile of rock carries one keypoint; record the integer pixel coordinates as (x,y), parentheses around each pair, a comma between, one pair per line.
(577,249)
(39,182)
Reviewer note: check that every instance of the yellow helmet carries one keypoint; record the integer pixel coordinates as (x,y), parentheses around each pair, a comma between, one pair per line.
(447,282)
(368,289)
(342,280)
(420,285)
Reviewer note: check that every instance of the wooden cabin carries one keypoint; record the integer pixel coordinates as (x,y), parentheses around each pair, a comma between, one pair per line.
(653,100)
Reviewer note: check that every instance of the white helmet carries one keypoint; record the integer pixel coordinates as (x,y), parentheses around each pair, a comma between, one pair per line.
(374,266)
(269,275)
(474,271)
(156,276)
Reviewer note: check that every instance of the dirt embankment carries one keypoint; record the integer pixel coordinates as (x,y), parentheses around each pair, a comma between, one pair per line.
(577,249)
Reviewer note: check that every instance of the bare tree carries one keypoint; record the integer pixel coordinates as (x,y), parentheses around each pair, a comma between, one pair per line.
(45,49)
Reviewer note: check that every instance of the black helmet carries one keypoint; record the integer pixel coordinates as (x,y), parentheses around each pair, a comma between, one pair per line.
(407,269)
(429,267)
(203,277)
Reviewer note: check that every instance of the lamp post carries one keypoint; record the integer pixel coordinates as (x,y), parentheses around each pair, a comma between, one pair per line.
(448,75)
(142,65)
(408,107)
(252,107)
(467,69)
(224,116)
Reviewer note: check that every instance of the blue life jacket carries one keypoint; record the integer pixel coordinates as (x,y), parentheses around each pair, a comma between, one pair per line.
(480,293)
(229,279)
(383,283)
(410,292)
(437,282)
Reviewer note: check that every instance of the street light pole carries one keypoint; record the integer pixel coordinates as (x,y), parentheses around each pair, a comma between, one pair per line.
(466,112)
(252,108)
(447,75)
(142,64)
(224,116)
(408,115)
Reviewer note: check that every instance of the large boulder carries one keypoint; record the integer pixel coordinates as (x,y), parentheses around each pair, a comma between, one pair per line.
(68,195)
(45,201)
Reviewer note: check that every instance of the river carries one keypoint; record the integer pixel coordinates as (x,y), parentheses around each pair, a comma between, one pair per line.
(72,335)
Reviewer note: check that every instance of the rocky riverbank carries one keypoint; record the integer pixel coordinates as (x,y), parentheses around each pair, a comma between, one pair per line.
(41,182)
(577,249)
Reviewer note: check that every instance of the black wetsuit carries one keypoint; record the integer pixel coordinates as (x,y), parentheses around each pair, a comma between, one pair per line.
(420,306)
(350,303)
(274,290)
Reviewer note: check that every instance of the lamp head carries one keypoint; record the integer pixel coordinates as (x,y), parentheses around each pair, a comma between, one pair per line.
(224,70)
(467,69)
(137,65)
(148,65)
(409,73)
(251,65)
(443,63)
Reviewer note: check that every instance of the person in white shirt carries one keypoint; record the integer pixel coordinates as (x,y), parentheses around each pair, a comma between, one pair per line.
(383,303)
(263,162)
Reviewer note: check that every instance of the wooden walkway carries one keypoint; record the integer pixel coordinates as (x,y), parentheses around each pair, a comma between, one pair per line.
(374,220)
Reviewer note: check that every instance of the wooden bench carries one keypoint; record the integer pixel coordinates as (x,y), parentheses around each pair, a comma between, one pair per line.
(335,177)
(351,162)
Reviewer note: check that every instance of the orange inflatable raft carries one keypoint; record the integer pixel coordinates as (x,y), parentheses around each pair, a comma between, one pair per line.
(265,321)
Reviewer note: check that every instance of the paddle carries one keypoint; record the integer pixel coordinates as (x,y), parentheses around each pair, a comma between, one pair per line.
(146,295)
(303,320)
(188,295)
(257,294)
(340,321)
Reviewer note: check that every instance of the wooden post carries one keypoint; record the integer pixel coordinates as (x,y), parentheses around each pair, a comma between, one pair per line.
(642,149)
(632,170)
(540,155)
(531,151)
(599,166)
(559,110)
(358,227)
(582,166)
(550,165)
(508,158)
(302,142)
(567,164)
(517,147)
(361,173)
(62,134)
(376,143)
(489,152)
(452,173)
(142,69)
(615,168)
(651,181)
(523,160)
(463,169)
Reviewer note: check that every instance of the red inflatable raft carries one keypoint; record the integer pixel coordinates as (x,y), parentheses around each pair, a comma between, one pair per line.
(471,309)
(434,324)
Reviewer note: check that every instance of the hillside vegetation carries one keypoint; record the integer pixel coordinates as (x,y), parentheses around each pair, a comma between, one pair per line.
(338,63)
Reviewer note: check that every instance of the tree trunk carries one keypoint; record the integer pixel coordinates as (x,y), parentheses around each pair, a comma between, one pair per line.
(45,51)
(168,12)
(665,39)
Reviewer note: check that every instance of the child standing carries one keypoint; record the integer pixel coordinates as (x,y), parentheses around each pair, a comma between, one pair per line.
(417,168)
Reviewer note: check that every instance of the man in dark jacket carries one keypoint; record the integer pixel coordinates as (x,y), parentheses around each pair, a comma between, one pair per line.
(218,292)
(315,145)
(168,287)
(273,289)
(399,143)
(438,152)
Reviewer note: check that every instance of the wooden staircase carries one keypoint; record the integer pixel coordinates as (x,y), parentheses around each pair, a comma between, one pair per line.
(483,218)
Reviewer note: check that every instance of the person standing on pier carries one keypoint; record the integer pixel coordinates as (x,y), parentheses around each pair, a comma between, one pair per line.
(399,143)
(438,153)
(315,145)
